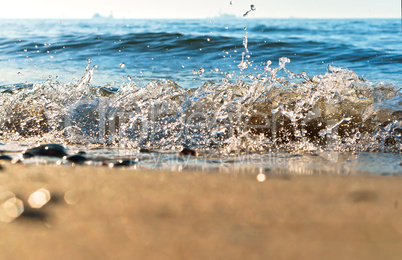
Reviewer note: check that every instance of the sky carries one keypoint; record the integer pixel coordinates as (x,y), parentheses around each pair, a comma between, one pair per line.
(201,8)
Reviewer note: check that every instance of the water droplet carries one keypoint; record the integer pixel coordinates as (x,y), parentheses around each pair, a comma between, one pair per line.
(245,42)
(25,50)
(208,39)
(11,208)
(200,71)
(283,61)
(36,46)
(261,177)
(252,8)
(39,198)
(121,65)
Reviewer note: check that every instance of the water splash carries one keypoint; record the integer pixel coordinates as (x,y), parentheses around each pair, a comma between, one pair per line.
(276,110)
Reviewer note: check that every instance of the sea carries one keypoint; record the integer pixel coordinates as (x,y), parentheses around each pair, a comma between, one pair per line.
(224,94)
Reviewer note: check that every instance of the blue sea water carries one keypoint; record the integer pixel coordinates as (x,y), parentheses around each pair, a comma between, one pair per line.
(33,50)
(282,92)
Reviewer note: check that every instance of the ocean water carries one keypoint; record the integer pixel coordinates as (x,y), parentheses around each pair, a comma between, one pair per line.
(291,95)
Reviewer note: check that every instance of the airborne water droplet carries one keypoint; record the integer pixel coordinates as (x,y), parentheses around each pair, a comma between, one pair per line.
(252,8)
(245,42)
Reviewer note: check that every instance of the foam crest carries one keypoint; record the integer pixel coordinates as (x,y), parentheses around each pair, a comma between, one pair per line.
(276,110)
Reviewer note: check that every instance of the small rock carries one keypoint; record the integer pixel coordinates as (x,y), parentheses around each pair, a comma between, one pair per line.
(76,158)
(187,152)
(5,157)
(145,150)
(127,162)
(27,155)
(51,150)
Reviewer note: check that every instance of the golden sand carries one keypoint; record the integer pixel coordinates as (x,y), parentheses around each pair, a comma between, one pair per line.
(102,213)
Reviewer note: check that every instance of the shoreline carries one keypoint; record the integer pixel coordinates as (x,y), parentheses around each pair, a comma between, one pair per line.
(103,213)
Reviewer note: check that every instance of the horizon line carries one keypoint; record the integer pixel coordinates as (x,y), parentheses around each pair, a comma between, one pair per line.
(187,18)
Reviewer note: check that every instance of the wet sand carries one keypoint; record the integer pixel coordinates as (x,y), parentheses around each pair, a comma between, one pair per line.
(102,213)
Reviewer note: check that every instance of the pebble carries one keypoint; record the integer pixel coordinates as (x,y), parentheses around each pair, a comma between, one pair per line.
(5,157)
(76,158)
(51,150)
(188,151)
(127,162)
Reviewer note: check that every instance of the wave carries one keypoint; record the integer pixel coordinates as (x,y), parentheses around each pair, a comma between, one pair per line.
(271,111)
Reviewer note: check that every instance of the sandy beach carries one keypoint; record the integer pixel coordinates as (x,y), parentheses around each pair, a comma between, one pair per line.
(102,213)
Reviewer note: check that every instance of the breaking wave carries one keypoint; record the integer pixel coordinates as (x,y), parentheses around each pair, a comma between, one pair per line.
(276,110)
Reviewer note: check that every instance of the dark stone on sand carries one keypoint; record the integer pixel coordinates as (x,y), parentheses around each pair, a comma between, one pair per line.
(27,155)
(5,157)
(127,162)
(188,151)
(81,152)
(51,150)
(76,158)
(145,150)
